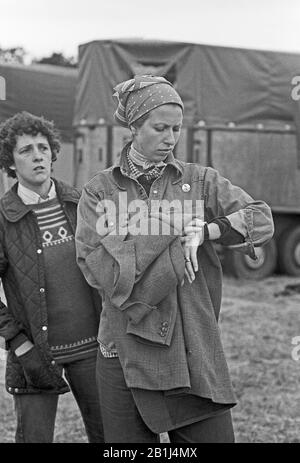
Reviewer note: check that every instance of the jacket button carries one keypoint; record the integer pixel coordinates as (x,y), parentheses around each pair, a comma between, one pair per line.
(39,251)
(186,187)
(16,390)
(52,362)
(10,389)
(165,324)
(44,328)
(42,290)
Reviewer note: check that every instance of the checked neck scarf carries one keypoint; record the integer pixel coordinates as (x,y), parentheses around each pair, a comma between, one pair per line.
(140,166)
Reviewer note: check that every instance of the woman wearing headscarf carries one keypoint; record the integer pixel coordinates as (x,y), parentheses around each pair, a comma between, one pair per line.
(145,238)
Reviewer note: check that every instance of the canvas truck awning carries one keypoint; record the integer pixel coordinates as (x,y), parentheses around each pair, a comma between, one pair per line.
(44,90)
(218,85)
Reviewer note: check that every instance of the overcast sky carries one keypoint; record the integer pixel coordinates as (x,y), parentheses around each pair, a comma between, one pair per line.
(44,26)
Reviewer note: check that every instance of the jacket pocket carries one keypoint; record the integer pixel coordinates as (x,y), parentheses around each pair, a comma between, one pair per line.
(32,374)
(35,372)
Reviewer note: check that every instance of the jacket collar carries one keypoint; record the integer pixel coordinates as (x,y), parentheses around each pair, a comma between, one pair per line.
(31,197)
(122,165)
(13,208)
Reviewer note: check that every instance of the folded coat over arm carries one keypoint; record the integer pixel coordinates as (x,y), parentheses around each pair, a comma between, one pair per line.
(136,272)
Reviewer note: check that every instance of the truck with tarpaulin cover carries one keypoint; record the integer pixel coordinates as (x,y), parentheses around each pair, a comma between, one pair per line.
(240,118)
(44,90)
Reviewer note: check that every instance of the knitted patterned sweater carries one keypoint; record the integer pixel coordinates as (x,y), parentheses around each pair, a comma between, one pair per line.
(72,324)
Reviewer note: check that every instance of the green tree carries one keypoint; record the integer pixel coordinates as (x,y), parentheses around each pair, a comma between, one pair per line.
(12,55)
(58,59)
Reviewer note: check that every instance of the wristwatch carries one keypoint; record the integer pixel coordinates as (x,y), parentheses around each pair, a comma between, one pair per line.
(206,232)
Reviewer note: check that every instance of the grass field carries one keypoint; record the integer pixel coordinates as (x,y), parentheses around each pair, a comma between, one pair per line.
(257,331)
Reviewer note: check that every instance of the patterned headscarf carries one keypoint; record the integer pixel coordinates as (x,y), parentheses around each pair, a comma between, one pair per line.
(138,96)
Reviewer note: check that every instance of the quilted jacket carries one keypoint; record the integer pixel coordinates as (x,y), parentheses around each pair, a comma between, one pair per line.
(23,277)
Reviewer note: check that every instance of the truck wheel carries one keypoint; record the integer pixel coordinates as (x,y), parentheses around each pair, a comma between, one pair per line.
(242,266)
(289,252)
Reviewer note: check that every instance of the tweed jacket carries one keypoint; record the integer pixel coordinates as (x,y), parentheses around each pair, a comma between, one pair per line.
(23,277)
(172,342)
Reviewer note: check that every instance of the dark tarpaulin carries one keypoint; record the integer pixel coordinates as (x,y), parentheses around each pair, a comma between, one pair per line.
(218,84)
(44,90)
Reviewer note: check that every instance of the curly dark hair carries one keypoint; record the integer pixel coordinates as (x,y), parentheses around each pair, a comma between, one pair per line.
(29,124)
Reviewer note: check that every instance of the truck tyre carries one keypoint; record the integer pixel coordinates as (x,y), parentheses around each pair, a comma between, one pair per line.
(289,251)
(242,266)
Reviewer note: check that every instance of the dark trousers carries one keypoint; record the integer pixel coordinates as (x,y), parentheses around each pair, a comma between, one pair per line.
(36,412)
(123,423)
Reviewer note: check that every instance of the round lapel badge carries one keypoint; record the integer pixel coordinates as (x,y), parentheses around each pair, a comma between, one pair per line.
(186,187)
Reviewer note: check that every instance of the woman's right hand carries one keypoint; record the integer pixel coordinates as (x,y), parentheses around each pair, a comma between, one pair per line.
(35,371)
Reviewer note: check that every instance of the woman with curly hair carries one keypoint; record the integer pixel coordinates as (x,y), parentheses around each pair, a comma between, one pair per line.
(25,123)
(51,317)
